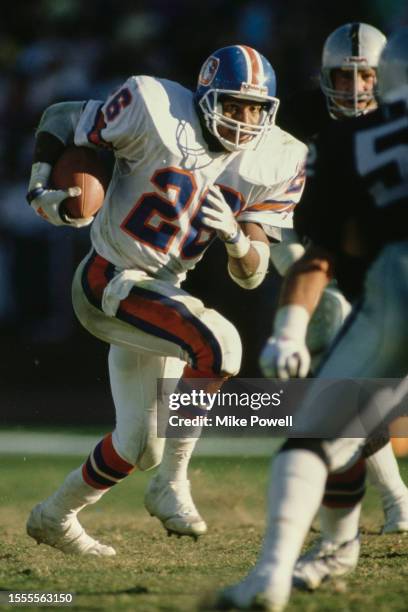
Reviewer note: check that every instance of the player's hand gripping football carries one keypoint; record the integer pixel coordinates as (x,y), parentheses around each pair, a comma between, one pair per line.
(285,354)
(218,215)
(47,202)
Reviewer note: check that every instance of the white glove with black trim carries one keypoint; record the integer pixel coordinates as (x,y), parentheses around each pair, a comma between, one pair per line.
(47,202)
(285,354)
(218,215)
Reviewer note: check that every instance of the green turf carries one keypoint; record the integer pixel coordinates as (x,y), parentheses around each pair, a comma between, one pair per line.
(152,572)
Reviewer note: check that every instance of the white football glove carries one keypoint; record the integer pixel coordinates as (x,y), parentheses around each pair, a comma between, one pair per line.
(47,202)
(218,215)
(284,358)
(285,354)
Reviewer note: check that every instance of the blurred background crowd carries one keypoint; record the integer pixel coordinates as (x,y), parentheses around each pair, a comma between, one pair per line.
(52,50)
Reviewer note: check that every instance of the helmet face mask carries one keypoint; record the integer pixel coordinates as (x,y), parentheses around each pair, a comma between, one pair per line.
(350,101)
(241,73)
(355,48)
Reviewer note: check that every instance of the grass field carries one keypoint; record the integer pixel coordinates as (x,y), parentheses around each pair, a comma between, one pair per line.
(152,572)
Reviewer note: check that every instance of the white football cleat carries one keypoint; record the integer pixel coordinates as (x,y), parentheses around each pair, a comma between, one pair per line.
(396,516)
(325,560)
(260,590)
(171,502)
(67,536)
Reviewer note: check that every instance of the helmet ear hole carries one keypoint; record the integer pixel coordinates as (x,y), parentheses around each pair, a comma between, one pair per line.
(239,72)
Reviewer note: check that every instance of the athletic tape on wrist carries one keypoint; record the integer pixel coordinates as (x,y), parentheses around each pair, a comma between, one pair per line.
(240,245)
(291,321)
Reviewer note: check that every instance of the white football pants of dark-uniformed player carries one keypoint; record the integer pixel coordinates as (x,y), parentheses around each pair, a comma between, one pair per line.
(375,344)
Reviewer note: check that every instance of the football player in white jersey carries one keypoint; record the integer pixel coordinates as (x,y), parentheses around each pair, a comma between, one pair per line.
(189,168)
(372,344)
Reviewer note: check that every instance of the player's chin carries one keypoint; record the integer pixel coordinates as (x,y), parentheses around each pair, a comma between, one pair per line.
(246,138)
(368,106)
(231,136)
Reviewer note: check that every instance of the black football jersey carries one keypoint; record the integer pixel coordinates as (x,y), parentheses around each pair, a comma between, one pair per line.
(304,114)
(357,177)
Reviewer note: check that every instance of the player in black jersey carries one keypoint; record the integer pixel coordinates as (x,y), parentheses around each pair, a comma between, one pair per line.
(347,82)
(347,90)
(357,191)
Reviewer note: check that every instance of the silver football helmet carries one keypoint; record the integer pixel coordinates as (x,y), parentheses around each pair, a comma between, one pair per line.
(393,65)
(353,46)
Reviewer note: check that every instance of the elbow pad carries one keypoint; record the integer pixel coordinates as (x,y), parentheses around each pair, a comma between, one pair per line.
(61,120)
(256,278)
(284,255)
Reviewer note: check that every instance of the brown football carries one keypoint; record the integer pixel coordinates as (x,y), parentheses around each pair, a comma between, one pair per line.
(81,167)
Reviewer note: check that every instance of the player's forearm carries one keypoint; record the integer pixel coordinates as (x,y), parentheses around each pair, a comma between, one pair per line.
(307,279)
(248,269)
(55,131)
(244,266)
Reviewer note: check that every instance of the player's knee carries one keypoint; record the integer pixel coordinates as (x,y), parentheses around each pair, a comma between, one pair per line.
(337,453)
(123,360)
(129,446)
(310,444)
(231,346)
(342,452)
(144,456)
(150,457)
(221,349)
(345,489)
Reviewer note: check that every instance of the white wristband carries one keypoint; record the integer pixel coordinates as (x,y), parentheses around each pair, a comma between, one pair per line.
(291,321)
(239,246)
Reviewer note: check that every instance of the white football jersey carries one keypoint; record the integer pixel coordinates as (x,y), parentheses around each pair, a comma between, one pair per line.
(151,217)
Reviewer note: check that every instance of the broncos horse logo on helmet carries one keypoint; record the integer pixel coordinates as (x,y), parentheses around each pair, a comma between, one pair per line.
(239,72)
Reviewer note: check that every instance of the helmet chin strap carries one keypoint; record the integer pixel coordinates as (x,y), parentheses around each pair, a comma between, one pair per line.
(338,111)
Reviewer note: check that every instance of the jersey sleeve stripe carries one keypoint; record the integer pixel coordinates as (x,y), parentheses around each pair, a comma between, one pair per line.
(94,135)
(286,205)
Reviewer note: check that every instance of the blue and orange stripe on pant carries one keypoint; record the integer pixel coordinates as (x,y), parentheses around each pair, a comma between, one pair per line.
(159,315)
